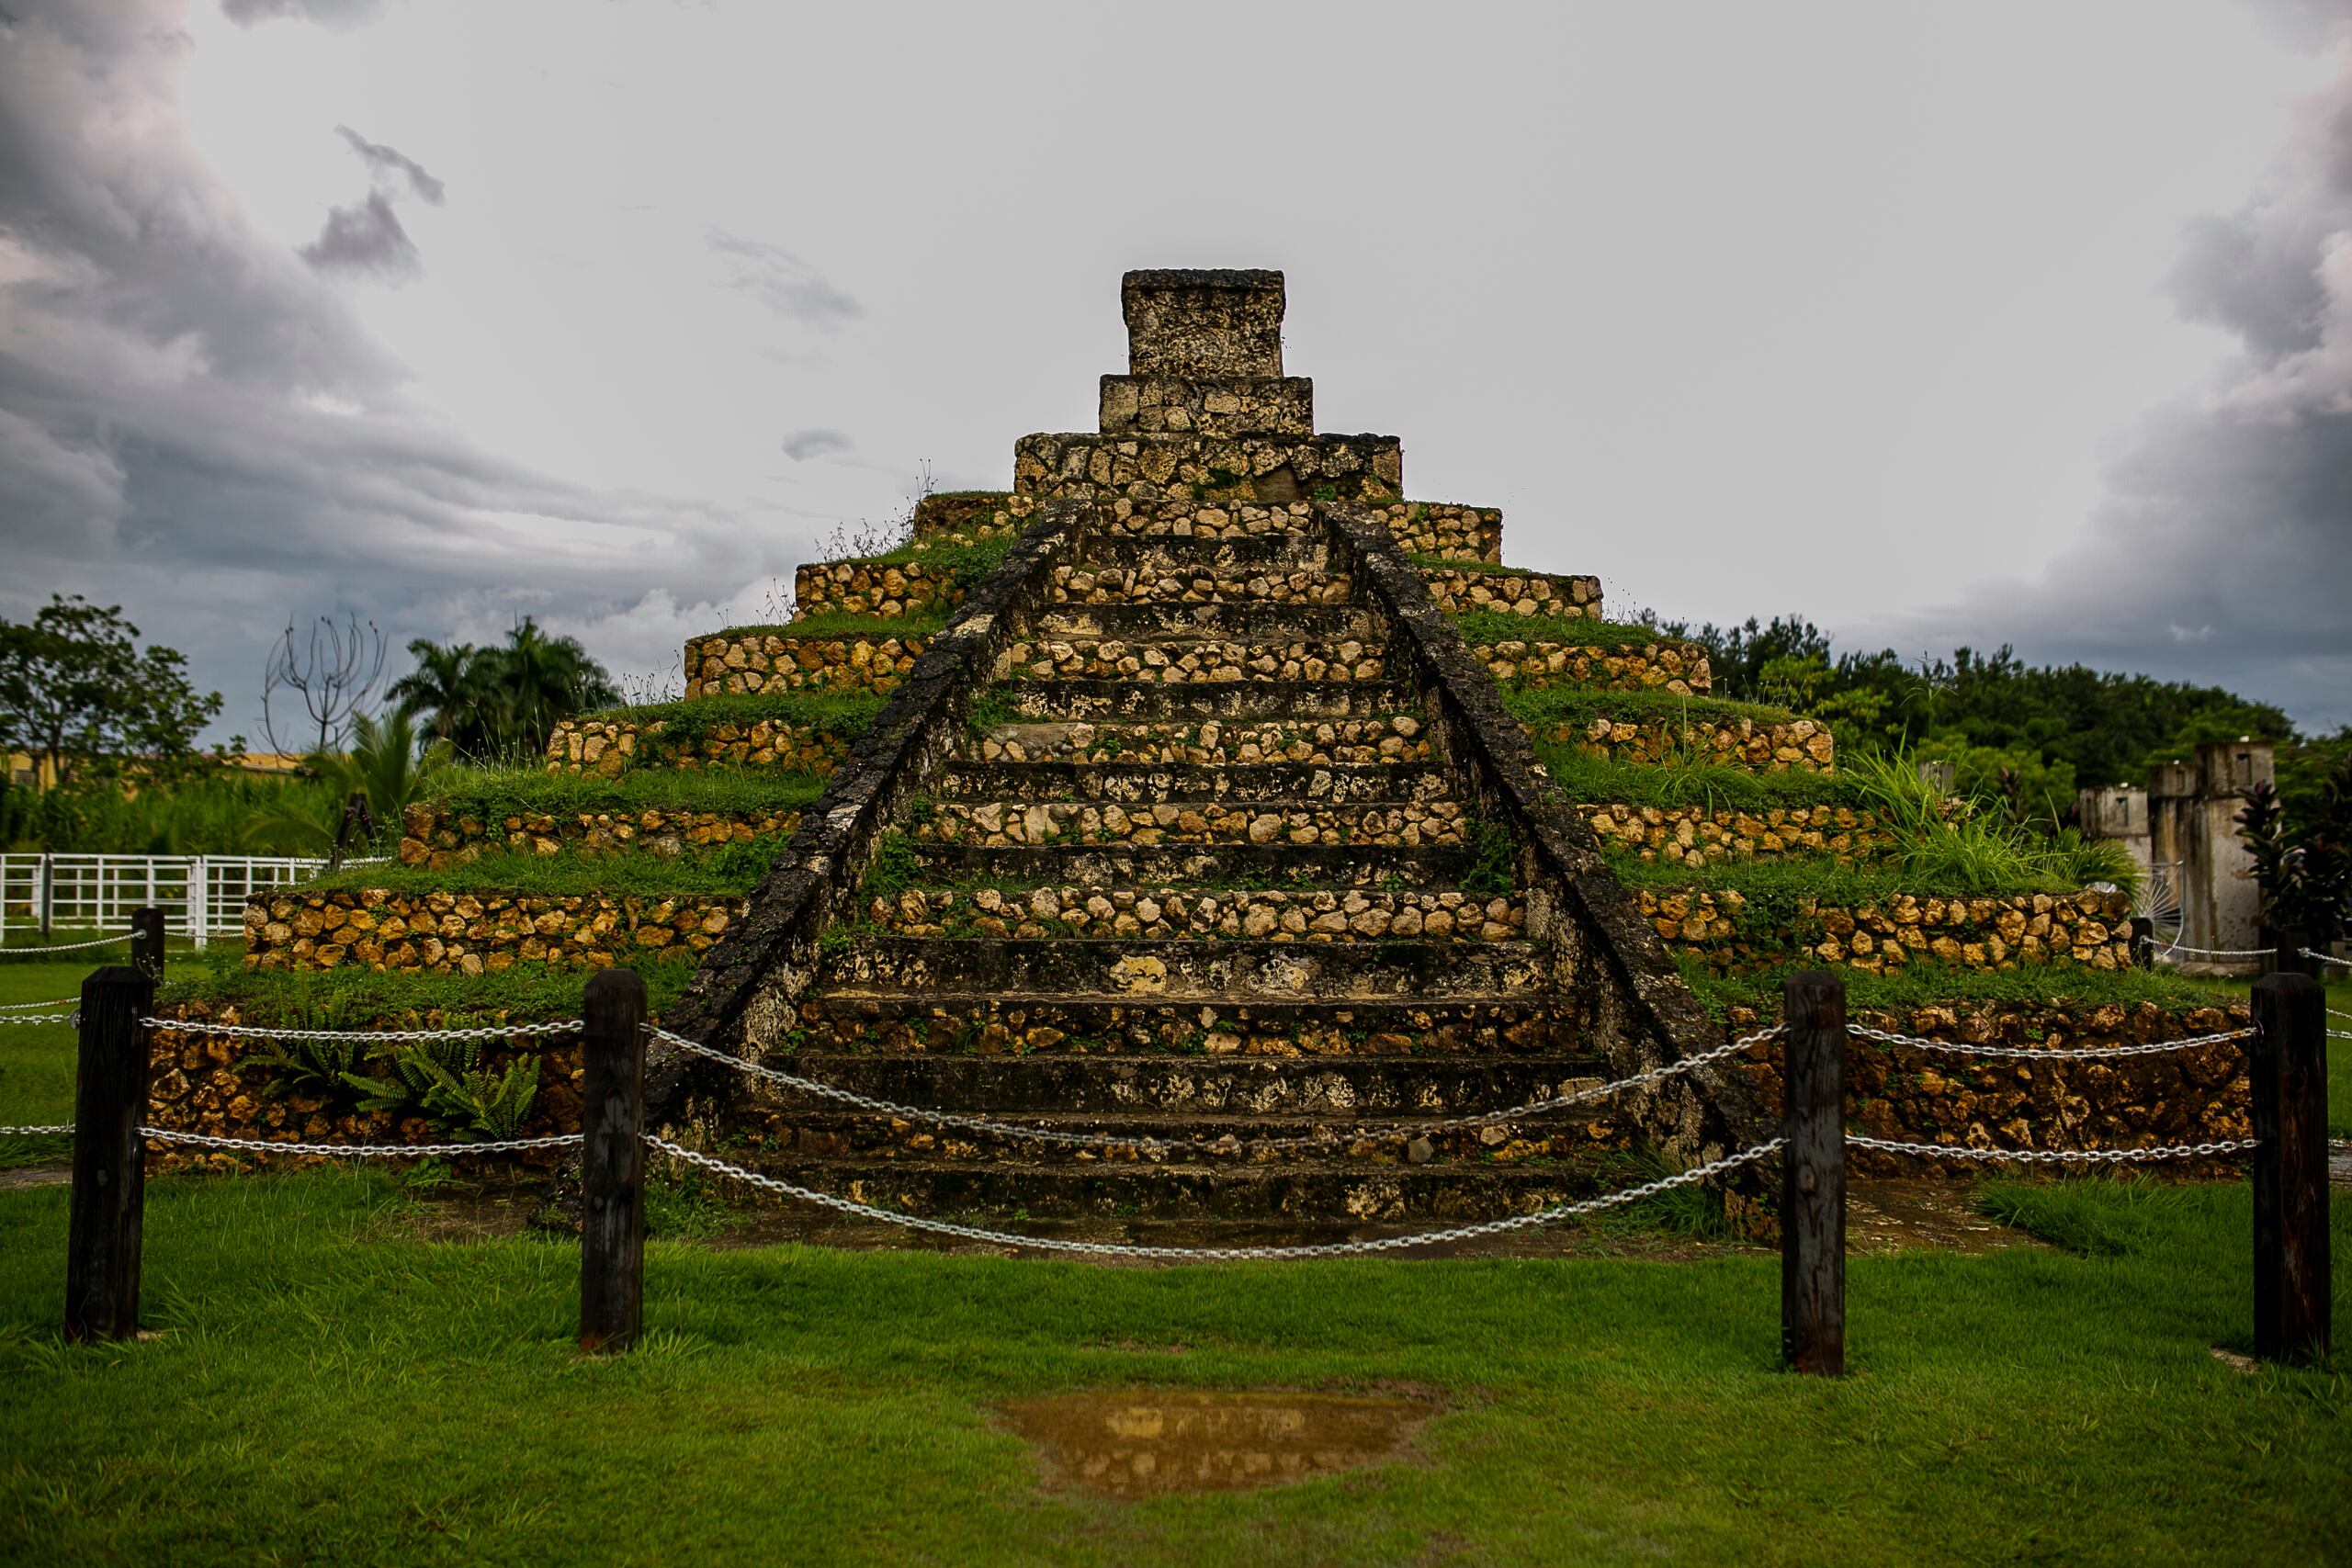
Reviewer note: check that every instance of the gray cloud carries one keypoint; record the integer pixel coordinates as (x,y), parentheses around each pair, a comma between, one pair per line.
(2223,551)
(802,445)
(782,282)
(366,239)
(330,13)
(390,161)
(194,424)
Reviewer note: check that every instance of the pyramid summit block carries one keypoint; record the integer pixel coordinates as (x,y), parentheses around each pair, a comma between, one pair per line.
(1198,323)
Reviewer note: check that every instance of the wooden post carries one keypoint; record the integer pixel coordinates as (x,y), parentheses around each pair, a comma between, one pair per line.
(48,896)
(109,1158)
(147,941)
(1812,1176)
(2287,1066)
(612,1162)
(2143,941)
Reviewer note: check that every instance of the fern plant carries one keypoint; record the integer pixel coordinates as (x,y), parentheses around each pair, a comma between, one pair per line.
(444,1080)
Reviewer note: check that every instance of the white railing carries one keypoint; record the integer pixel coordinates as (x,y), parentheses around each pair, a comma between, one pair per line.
(201,896)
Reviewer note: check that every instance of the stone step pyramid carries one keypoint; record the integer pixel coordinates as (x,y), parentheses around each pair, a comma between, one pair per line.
(1198,827)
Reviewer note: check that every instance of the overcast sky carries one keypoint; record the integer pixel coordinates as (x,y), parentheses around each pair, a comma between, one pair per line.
(2026,322)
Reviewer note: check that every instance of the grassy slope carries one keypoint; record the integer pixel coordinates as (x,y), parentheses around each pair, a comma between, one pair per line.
(323,1387)
(497,793)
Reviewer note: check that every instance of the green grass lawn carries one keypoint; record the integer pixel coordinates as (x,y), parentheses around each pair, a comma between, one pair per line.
(325,1383)
(324,1386)
(37,1060)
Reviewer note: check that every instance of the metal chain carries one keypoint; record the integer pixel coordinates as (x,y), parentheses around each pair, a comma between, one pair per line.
(360,1151)
(44,1018)
(1215,1254)
(2055,1156)
(2327,958)
(487,1031)
(2217,952)
(67,946)
(2081,1053)
(33,1131)
(1228,1143)
(27,1007)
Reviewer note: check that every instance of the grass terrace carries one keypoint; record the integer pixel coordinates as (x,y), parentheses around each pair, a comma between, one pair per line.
(839,624)
(1607,780)
(494,795)
(734,867)
(1543,709)
(845,714)
(1484,627)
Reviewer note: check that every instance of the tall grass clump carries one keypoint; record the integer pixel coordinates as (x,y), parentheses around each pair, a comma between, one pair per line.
(1952,843)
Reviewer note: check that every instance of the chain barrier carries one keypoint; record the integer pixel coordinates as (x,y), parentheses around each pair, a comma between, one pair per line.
(33,1131)
(27,1007)
(2217,952)
(2326,958)
(355,1151)
(250,1031)
(74,1017)
(66,946)
(2079,1052)
(2055,1156)
(1213,1253)
(1226,1144)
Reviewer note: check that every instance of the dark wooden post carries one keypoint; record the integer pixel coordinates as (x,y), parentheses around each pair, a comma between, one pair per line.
(147,941)
(1812,1176)
(2287,1066)
(612,1162)
(109,1158)
(2143,941)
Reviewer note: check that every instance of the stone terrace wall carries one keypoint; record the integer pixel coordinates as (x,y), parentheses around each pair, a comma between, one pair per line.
(2093,929)
(1458,592)
(1798,745)
(211,1083)
(1679,667)
(862,588)
(434,834)
(1358,915)
(465,934)
(610,747)
(2175,1097)
(765,660)
(1443,528)
(1248,468)
(975,515)
(1694,833)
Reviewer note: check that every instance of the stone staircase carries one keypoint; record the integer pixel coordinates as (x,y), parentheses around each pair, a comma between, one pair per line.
(1194,872)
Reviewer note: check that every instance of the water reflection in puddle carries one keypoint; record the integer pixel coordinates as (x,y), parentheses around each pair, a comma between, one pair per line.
(1131,1443)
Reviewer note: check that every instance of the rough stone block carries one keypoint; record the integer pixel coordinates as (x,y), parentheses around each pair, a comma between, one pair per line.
(1185,322)
(1234,405)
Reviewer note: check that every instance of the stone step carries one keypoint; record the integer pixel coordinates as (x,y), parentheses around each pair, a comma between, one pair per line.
(1117,585)
(1094,701)
(1107,1083)
(1300,822)
(1247,555)
(1177,660)
(1224,973)
(991,1024)
(1130,783)
(1168,865)
(1242,622)
(782,1121)
(1372,738)
(1099,911)
(1360,1192)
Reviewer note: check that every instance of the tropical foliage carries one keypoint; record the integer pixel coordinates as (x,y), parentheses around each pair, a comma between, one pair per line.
(79,694)
(503,700)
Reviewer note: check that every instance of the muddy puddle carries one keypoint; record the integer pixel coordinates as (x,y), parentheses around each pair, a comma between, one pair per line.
(1132,1444)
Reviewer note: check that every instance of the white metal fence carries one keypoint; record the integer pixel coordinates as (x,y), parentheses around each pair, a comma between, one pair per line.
(201,896)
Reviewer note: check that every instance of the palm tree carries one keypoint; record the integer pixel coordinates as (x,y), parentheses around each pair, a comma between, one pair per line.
(447,683)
